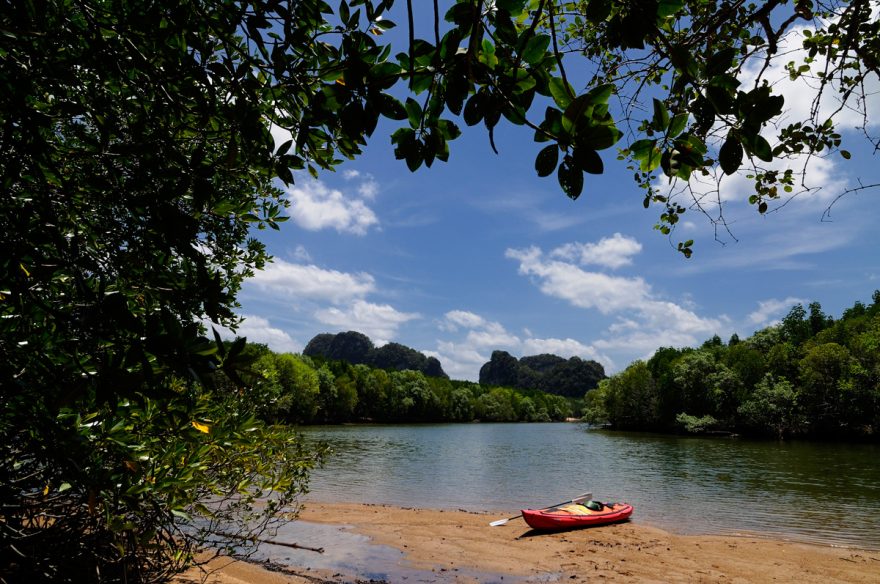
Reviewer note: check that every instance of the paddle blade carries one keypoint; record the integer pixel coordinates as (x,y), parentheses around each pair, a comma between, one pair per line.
(582,498)
(499,522)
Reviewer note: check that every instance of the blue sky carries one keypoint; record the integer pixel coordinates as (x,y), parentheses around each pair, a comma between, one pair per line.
(479,254)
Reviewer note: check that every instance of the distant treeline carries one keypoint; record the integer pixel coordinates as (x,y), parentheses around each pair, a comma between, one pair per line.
(810,375)
(298,389)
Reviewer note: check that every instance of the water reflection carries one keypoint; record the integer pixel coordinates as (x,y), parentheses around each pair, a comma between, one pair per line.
(826,493)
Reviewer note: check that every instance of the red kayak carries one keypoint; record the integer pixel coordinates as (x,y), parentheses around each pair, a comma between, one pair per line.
(577,515)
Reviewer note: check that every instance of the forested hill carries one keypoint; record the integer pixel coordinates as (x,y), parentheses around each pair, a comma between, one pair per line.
(810,375)
(356,348)
(298,389)
(550,373)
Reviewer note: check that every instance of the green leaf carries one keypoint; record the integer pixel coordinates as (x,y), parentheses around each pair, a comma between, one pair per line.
(650,162)
(600,93)
(598,10)
(731,154)
(598,137)
(761,148)
(846,154)
(391,108)
(588,160)
(413,154)
(473,110)
(647,153)
(677,125)
(413,112)
(535,49)
(571,178)
(561,92)
(545,162)
(641,148)
(515,7)
(720,62)
(667,8)
(181,514)
(448,129)
(661,116)
(579,107)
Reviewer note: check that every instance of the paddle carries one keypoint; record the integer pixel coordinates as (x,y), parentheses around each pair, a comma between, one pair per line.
(578,499)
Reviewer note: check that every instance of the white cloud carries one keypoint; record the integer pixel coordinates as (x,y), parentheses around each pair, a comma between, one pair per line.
(316,206)
(768,309)
(462,358)
(645,321)
(493,338)
(312,282)
(459,360)
(368,188)
(611,252)
(302,254)
(581,288)
(258,330)
(461,318)
(380,322)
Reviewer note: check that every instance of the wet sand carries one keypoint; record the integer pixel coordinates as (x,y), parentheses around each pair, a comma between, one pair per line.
(452,545)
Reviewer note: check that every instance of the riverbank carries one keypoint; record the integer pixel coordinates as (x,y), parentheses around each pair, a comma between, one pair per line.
(451,545)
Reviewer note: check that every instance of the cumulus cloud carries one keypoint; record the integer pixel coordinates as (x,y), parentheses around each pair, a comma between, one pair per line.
(380,322)
(460,360)
(463,357)
(612,252)
(368,187)
(645,321)
(584,289)
(461,318)
(311,282)
(316,206)
(768,309)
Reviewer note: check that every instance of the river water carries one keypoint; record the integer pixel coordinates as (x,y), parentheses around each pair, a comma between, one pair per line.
(801,491)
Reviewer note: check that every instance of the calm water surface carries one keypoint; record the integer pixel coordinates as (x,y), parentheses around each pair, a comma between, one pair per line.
(822,493)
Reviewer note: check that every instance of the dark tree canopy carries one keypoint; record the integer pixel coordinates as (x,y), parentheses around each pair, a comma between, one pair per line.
(549,373)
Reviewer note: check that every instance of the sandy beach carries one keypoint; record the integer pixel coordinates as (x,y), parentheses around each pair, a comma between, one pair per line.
(452,545)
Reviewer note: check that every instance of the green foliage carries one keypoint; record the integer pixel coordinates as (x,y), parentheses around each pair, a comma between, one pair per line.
(694,424)
(631,397)
(144,483)
(813,377)
(338,391)
(136,158)
(772,408)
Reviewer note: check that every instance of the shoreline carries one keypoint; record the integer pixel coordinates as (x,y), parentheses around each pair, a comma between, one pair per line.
(460,546)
